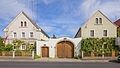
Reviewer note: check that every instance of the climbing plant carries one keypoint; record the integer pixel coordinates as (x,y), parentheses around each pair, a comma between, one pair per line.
(18,43)
(118,32)
(98,45)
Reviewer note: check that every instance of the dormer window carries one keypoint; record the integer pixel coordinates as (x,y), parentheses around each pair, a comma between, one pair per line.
(25,24)
(21,24)
(96,20)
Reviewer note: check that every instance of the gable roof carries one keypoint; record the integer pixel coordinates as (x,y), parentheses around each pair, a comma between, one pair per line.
(91,17)
(35,24)
(117,23)
(77,32)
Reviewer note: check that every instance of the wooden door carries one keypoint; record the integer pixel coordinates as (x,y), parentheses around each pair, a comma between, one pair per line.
(45,52)
(65,50)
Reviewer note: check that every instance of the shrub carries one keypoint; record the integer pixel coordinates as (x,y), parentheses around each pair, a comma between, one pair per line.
(78,57)
(36,56)
(2,47)
(42,40)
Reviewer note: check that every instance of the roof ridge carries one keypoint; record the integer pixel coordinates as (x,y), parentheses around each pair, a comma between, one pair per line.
(35,24)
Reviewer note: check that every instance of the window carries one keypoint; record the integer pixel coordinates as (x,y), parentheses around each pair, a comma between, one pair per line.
(15,47)
(23,34)
(23,47)
(32,44)
(105,33)
(31,34)
(92,33)
(100,20)
(25,24)
(14,34)
(21,24)
(96,20)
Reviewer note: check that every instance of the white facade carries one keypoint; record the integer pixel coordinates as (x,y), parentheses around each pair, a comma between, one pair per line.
(98,26)
(51,43)
(28,32)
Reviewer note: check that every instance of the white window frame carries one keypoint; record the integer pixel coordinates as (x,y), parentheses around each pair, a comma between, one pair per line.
(30,35)
(14,35)
(22,35)
(93,33)
(22,47)
(100,21)
(96,21)
(103,33)
(22,23)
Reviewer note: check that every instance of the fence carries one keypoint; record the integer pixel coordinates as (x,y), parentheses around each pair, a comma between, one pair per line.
(103,55)
(15,54)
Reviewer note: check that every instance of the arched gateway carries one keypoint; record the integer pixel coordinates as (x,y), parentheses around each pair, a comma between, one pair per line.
(65,49)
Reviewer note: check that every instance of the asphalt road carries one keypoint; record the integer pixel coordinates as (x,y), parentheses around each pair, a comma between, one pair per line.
(58,65)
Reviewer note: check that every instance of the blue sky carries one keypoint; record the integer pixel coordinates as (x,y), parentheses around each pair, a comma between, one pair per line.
(59,17)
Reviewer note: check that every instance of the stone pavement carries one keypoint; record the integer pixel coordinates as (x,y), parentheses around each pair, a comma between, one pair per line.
(67,60)
(53,60)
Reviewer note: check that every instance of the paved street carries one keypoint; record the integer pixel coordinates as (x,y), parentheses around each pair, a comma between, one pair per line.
(58,65)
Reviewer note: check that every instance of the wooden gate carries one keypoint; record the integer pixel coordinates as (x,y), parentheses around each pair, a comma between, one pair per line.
(45,52)
(65,49)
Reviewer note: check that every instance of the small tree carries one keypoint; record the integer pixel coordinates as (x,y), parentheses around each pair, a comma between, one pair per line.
(2,47)
(54,36)
(1,41)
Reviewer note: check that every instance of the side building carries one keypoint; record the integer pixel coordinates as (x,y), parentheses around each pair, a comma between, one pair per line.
(97,26)
(23,28)
(117,23)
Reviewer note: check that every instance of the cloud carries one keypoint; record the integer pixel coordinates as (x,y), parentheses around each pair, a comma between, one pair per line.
(59,17)
(48,28)
(110,8)
(11,8)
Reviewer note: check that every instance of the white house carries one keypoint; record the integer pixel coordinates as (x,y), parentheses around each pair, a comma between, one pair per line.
(64,47)
(23,28)
(98,26)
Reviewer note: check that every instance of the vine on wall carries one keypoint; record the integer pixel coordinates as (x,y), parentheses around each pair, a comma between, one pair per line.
(98,45)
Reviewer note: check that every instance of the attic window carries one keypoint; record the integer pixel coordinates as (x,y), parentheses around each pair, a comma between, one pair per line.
(96,21)
(21,24)
(100,20)
(25,24)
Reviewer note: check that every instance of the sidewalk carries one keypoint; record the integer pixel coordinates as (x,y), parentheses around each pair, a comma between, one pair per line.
(53,60)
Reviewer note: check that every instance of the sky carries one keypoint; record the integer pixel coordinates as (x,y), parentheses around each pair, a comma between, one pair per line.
(59,17)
